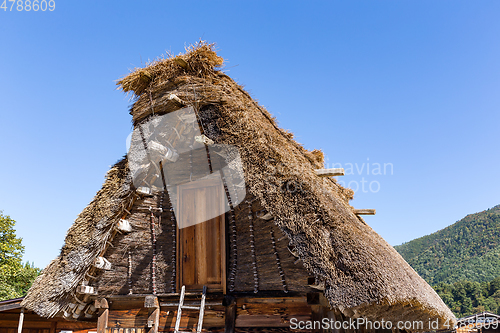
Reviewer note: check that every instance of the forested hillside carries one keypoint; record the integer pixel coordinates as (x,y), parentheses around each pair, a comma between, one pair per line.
(465,297)
(466,250)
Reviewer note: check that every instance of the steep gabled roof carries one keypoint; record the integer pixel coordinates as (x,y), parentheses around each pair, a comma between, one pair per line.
(363,274)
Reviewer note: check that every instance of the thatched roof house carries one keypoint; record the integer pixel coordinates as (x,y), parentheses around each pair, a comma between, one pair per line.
(313,232)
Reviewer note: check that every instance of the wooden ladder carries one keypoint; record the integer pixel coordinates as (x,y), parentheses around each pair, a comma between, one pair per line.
(201,308)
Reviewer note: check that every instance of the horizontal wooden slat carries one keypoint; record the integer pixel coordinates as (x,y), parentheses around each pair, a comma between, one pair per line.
(27,317)
(11,306)
(271,300)
(329,172)
(254,309)
(267,321)
(296,306)
(364,211)
(61,325)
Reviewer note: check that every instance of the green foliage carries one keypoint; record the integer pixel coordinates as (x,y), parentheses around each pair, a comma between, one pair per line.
(462,261)
(15,278)
(465,298)
(11,249)
(467,250)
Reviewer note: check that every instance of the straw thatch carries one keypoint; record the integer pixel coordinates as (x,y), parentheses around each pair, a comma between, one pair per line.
(363,274)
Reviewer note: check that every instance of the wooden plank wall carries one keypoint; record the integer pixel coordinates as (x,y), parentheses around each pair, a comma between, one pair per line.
(214,317)
(271,312)
(250,312)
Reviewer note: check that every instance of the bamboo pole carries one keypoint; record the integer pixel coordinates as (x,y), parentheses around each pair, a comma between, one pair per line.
(21,320)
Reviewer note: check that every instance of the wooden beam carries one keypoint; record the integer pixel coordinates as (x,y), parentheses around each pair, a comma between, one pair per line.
(364,211)
(10,306)
(12,325)
(317,314)
(230,315)
(154,320)
(317,298)
(102,321)
(329,172)
(151,302)
(12,322)
(101,303)
(53,327)
(313,298)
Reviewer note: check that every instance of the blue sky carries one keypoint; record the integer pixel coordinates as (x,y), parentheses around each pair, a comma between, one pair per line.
(410,84)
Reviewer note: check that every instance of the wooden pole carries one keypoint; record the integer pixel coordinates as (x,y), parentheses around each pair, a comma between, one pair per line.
(320,309)
(339,317)
(317,314)
(53,327)
(102,321)
(230,317)
(21,320)
(329,172)
(364,211)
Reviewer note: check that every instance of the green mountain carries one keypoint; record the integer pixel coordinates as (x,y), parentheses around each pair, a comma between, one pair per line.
(466,250)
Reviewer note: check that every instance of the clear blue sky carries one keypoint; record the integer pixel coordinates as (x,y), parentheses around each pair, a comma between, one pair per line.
(412,84)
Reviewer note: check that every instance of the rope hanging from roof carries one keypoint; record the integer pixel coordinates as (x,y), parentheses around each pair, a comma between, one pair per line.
(234,248)
(174,229)
(129,273)
(162,198)
(153,241)
(278,263)
(174,248)
(144,142)
(252,249)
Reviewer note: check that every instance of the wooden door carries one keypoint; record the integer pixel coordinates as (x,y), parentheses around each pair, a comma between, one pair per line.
(201,249)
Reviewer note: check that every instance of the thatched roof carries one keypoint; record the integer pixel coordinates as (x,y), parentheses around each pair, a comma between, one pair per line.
(363,274)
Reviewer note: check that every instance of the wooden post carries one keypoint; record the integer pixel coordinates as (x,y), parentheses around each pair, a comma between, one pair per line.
(53,327)
(317,315)
(21,320)
(151,302)
(102,321)
(320,309)
(230,316)
(339,317)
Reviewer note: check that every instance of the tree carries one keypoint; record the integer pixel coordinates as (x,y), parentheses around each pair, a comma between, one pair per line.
(11,249)
(15,277)
(466,297)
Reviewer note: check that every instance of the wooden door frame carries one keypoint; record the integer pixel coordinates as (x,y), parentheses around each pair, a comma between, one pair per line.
(222,228)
